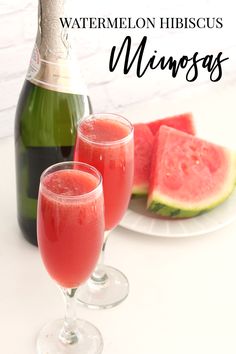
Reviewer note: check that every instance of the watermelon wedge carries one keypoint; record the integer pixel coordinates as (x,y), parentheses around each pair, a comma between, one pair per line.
(143,144)
(183,122)
(188,175)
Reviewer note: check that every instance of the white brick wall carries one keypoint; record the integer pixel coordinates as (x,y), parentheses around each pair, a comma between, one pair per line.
(112,91)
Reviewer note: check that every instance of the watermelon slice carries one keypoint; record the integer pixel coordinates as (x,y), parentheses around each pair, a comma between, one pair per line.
(188,175)
(143,144)
(183,122)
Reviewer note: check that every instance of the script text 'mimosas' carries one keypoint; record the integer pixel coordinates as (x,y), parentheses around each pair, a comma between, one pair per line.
(192,64)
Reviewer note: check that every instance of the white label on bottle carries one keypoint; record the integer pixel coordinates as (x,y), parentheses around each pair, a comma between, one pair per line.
(34,66)
(61,75)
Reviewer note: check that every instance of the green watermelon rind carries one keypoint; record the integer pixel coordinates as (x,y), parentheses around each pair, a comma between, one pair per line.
(139,191)
(168,207)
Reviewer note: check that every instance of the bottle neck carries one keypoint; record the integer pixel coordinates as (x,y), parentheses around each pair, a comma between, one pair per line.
(53,63)
(53,41)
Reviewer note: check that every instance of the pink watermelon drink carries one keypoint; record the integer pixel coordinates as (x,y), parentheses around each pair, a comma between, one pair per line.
(70,223)
(188,175)
(106,143)
(143,145)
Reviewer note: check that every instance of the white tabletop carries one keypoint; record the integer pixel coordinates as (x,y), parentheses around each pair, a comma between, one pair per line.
(182,291)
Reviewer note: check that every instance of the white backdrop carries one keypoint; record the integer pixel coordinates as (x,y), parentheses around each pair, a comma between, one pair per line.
(115,91)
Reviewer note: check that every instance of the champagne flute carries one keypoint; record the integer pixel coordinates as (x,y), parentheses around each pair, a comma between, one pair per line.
(70,227)
(105,141)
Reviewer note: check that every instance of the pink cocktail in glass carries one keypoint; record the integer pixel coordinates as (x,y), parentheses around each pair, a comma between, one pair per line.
(106,144)
(105,141)
(70,232)
(70,228)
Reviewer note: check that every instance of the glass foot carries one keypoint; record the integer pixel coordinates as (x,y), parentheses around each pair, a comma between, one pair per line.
(105,293)
(89,339)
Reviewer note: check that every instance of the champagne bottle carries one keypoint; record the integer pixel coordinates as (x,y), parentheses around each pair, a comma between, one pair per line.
(51,102)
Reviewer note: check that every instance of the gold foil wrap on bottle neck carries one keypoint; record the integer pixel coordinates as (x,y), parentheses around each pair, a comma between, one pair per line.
(52,39)
(53,65)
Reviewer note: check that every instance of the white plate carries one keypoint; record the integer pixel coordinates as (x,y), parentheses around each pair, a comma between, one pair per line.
(140,220)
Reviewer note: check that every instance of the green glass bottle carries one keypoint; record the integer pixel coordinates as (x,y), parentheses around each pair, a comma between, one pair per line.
(51,102)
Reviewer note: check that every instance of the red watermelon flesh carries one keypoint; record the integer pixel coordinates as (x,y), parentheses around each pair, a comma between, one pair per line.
(188,175)
(143,143)
(183,122)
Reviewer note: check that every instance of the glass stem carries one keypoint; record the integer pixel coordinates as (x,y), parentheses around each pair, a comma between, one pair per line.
(99,276)
(68,334)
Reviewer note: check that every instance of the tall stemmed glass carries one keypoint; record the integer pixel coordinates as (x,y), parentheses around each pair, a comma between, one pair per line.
(70,227)
(105,141)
